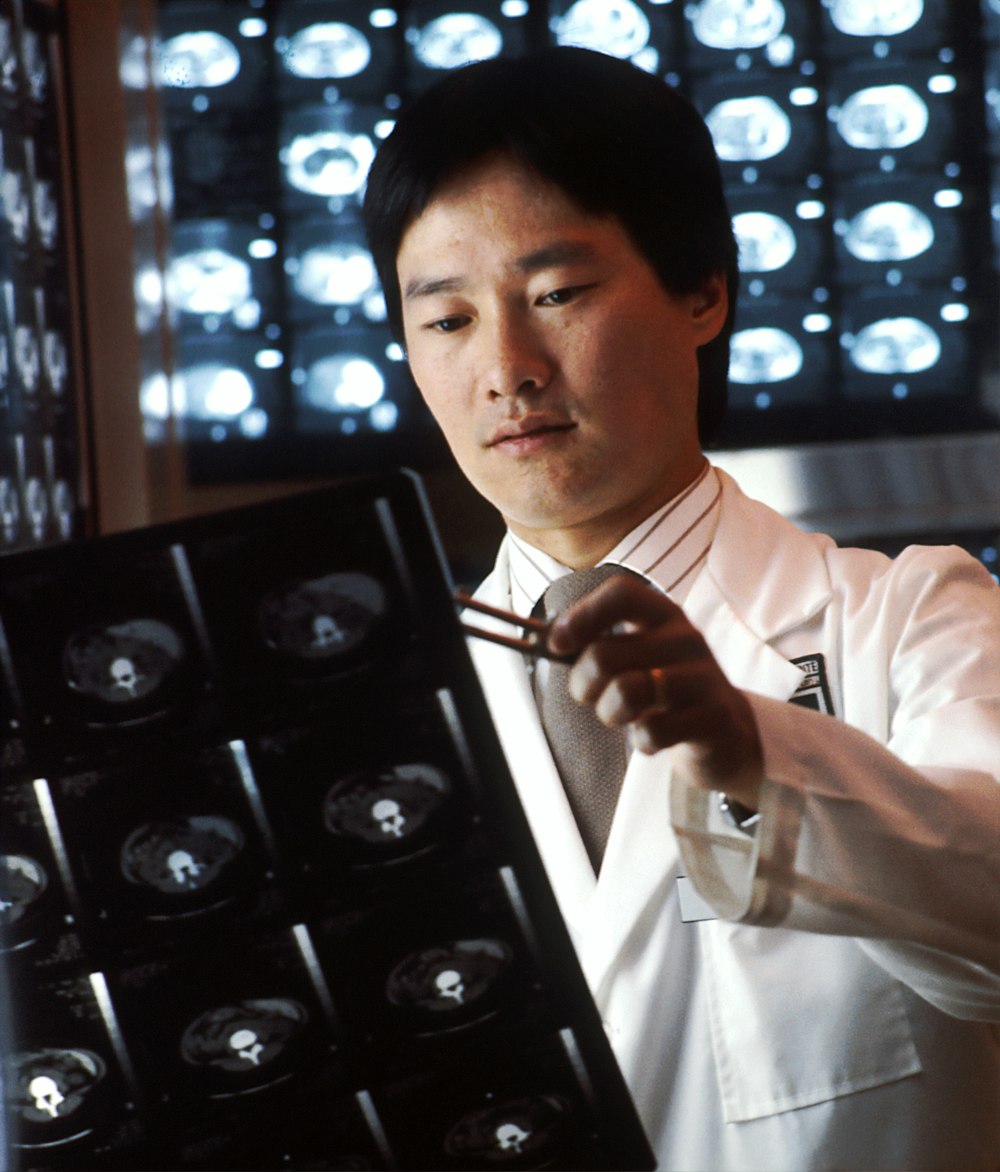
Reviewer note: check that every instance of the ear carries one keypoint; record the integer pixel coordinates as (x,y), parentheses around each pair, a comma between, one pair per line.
(709,307)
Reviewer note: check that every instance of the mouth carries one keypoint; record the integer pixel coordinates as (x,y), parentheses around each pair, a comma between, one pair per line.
(527,430)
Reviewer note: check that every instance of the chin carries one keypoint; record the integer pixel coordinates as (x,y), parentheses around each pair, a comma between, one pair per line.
(545,507)
(539,520)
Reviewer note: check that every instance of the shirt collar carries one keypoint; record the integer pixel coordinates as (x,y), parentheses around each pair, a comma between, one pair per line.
(668,547)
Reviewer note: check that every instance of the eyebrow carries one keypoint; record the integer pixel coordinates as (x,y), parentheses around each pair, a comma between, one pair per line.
(557,253)
(428,286)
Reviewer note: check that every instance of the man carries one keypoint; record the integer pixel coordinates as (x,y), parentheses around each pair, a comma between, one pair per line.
(793,930)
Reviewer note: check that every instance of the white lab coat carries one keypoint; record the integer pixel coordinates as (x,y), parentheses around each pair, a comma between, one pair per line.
(839,1015)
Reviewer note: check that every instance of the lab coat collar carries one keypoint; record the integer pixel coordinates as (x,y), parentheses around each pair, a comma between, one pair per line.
(770,574)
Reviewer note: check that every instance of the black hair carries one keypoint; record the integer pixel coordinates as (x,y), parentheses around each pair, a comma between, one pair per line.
(616,140)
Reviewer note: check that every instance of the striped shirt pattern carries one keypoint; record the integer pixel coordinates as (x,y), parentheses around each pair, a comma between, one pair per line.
(667,548)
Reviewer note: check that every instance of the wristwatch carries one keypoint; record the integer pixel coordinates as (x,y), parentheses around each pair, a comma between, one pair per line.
(738,815)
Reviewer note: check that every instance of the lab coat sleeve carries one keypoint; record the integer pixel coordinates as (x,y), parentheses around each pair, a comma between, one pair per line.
(895,843)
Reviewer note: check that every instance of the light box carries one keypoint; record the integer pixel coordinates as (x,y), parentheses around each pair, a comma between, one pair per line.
(270,898)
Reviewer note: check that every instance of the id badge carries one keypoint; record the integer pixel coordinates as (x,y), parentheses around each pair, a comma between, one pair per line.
(693,907)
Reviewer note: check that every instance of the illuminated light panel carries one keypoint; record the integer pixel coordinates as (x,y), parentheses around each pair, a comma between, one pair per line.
(883,117)
(335,274)
(149,285)
(618,27)
(455,39)
(942,83)
(764,354)
(752,128)
(209,280)
(34,64)
(328,162)
(804,95)
(55,359)
(133,68)
(810,209)
(254,422)
(947,198)
(888,231)
(198,60)
(384,416)
(781,51)
(212,390)
(262,249)
(374,307)
(268,359)
(725,24)
(766,241)
(343,382)
(896,345)
(801,219)
(155,397)
(647,59)
(327,50)
(875,18)
(144,191)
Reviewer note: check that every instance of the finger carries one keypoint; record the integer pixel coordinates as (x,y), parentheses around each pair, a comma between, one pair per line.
(693,725)
(624,700)
(619,600)
(634,695)
(669,647)
(661,689)
(660,731)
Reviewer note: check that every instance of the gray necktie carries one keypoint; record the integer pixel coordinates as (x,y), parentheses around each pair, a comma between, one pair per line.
(590,756)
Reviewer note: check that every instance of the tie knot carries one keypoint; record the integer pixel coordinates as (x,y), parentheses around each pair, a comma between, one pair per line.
(570,588)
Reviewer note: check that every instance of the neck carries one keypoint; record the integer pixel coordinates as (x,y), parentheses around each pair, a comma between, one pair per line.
(584,545)
(577,551)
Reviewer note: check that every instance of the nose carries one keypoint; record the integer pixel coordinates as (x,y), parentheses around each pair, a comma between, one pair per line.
(515,358)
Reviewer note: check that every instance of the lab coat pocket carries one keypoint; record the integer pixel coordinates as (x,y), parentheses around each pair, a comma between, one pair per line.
(798,1019)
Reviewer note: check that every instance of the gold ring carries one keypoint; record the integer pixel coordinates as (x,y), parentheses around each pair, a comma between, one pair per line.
(658,677)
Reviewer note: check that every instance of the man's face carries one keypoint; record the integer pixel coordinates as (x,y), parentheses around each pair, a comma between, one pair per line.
(563,376)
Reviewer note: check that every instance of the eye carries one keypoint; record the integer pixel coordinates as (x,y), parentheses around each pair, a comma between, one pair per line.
(562,296)
(447,325)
